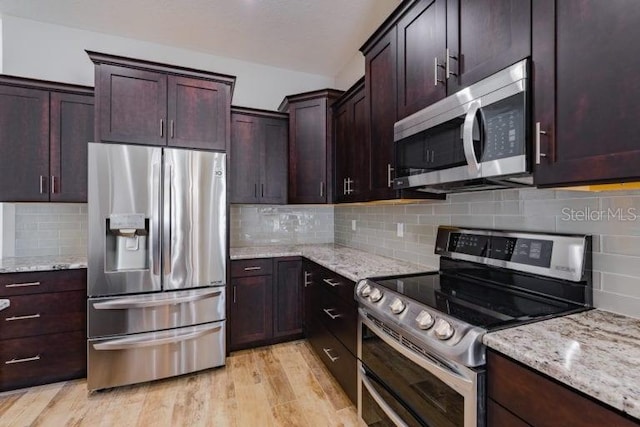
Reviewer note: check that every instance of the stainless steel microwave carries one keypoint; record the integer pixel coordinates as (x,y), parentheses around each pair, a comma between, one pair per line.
(475,139)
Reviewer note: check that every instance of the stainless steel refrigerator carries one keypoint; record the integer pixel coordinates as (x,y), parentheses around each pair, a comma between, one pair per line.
(156,263)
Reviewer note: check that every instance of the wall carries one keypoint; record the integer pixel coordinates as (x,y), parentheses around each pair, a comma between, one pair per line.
(351,72)
(255,225)
(612,218)
(53,52)
(46,228)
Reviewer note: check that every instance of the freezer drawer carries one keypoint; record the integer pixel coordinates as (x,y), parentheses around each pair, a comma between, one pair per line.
(153,312)
(144,357)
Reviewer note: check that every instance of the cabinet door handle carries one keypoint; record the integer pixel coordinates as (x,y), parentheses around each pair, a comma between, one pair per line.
(448,71)
(307,283)
(321,188)
(252,268)
(161,128)
(436,80)
(326,351)
(539,132)
(389,171)
(234,294)
(262,190)
(30,316)
(27,359)
(173,129)
(22,285)
(328,311)
(344,186)
(331,282)
(53,184)
(43,184)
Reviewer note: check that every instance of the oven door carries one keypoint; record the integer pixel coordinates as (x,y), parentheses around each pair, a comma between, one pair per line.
(399,386)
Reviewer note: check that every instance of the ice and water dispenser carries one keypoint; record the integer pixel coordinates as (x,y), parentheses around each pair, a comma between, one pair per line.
(127,243)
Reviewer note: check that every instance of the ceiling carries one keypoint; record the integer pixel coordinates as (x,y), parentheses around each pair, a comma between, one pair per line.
(315,36)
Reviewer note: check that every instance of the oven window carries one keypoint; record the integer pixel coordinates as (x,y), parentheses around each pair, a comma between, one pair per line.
(430,399)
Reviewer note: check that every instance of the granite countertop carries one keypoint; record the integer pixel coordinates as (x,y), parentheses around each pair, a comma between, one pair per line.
(595,352)
(42,263)
(351,263)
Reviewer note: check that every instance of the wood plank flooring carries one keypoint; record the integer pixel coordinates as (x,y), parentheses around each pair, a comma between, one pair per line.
(281,385)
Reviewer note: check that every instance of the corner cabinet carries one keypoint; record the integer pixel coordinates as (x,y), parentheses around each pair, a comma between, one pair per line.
(142,102)
(586,91)
(258,156)
(44,131)
(310,146)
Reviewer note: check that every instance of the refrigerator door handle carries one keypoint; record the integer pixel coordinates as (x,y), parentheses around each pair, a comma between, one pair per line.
(166,218)
(127,303)
(135,342)
(155,221)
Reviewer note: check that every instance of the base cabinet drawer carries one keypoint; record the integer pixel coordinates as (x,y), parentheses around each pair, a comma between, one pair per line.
(42,282)
(43,359)
(340,317)
(340,362)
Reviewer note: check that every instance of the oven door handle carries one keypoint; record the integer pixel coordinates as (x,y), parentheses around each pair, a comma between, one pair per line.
(389,412)
(462,385)
(467,137)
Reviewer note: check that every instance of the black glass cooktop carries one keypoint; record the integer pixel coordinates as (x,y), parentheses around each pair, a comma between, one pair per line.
(487,297)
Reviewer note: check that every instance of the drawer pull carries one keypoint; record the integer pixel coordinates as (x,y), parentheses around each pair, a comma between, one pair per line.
(331,282)
(22,285)
(307,275)
(326,351)
(332,316)
(30,316)
(252,268)
(27,359)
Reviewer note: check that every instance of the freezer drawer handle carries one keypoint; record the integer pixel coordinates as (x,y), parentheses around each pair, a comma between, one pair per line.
(128,343)
(124,304)
(22,285)
(31,316)
(27,359)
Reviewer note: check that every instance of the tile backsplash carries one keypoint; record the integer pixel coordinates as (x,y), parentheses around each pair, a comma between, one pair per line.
(253,225)
(613,218)
(49,229)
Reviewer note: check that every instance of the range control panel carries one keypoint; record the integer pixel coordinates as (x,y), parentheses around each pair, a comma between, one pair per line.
(536,252)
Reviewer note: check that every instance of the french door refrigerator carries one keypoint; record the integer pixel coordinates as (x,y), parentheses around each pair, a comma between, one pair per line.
(156,263)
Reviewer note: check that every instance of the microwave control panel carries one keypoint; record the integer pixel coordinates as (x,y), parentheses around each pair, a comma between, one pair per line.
(504,128)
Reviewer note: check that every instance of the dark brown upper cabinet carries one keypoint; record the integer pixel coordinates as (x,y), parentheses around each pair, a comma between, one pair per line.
(310,145)
(351,166)
(586,108)
(142,102)
(258,156)
(44,131)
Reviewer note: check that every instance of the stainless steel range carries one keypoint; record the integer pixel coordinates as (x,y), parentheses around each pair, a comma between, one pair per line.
(421,356)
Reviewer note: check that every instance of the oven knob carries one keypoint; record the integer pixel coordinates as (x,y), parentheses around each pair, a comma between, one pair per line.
(375,295)
(397,306)
(365,290)
(425,320)
(443,329)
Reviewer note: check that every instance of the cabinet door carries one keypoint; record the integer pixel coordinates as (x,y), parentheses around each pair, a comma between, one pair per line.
(24,144)
(251,311)
(287,319)
(71,129)
(310,292)
(421,42)
(274,159)
(342,132)
(132,105)
(244,159)
(308,151)
(485,36)
(359,152)
(198,112)
(586,90)
(381,90)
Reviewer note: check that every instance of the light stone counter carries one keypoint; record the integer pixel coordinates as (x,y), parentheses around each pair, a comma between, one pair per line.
(42,263)
(351,263)
(595,352)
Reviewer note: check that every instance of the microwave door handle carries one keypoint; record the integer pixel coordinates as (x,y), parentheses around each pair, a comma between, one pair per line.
(467,138)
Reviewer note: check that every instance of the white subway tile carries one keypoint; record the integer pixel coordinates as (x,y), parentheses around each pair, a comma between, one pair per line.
(617,303)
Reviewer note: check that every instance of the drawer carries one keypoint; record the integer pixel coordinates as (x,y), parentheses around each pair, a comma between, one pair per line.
(340,317)
(31,315)
(42,282)
(251,267)
(340,362)
(335,283)
(43,359)
(137,358)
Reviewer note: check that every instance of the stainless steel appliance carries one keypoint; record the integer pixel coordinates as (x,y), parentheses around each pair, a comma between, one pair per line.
(477,138)
(420,352)
(156,263)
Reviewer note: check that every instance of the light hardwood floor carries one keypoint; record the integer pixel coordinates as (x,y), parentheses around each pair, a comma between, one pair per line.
(281,385)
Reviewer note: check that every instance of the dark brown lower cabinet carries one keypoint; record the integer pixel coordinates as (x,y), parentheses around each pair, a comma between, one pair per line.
(520,396)
(330,322)
(43,332)
(265,302)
